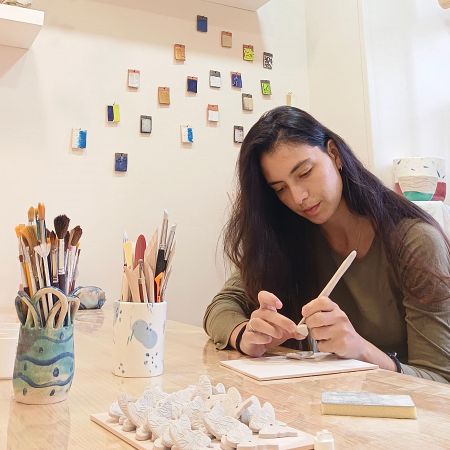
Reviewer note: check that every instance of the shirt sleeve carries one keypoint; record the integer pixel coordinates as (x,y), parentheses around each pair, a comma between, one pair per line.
(426,300)
(229,308)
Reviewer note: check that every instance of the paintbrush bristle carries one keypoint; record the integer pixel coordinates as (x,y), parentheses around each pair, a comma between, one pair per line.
(29,236)
(41,211)
(19,229)
(61,225)
(76,235)
(53,240)
(31,214)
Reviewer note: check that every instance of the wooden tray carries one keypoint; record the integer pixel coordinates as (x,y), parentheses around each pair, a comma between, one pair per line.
(303,441)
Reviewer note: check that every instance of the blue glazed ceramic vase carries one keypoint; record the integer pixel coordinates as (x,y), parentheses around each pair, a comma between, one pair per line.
(44,365)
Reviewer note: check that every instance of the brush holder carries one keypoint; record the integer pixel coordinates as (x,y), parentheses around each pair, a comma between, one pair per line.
(138,339)
(44,363)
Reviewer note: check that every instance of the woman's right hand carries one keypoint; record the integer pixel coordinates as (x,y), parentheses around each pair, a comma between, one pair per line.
(266,327)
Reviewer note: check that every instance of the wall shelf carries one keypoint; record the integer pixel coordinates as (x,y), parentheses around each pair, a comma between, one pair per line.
(19,26)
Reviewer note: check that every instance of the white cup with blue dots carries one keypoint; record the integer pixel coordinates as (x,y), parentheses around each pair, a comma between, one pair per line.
(138,339)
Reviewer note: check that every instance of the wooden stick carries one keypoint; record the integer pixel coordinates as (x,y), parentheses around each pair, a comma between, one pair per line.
(336,277)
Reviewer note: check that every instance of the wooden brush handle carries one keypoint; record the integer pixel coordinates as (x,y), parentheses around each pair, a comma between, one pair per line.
(62,282)
(132,277)
(125,288)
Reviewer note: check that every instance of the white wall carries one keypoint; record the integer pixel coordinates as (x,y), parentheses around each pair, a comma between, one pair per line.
(77,66)
(378,75)
(336,71)
(408,48)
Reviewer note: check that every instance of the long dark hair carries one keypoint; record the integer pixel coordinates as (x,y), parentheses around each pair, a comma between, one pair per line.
(269,244)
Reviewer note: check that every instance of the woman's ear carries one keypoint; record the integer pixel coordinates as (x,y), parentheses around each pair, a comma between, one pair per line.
(333,153)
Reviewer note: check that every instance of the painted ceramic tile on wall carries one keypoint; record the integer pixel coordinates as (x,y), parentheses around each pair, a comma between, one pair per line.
(121,162)
(227,39)
(202,24)
(236,80)
(247,102)
(213,113)
(214,79)
(238,134)
(267,60)
(134,78)
(146,124)
(179,52)
(79,138)
(187,134)
(265,87)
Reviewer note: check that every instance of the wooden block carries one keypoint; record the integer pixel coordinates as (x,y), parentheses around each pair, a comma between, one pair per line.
(368,404)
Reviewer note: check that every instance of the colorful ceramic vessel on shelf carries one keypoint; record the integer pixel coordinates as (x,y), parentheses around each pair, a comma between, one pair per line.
(420,178)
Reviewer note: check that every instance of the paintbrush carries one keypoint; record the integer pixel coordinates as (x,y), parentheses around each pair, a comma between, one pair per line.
(26,252)
(54,257)
(31,215)
(169,244)
(61,225)
(170,256)
(75,235)
(75,270)
(141,282)
(41,223)
(164,285)
(43,250)
(25,274)
(66,248)
(30,240)
(160,261)
(127,247)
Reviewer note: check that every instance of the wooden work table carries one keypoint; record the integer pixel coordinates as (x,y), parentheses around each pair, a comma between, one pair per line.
(189,353)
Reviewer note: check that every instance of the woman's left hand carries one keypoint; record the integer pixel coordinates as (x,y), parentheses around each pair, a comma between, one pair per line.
(331,327)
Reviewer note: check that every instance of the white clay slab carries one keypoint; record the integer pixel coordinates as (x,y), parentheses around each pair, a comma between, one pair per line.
(280,367)
(303,441)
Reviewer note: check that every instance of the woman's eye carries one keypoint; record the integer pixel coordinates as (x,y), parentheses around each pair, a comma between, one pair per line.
(305,174)
(279,190)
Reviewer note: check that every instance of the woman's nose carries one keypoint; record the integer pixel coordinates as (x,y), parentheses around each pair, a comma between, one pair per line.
(299,194)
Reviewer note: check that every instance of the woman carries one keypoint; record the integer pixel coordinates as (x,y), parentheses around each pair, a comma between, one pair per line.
(304,202)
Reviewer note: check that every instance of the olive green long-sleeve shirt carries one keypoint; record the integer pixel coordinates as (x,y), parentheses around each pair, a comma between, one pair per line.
(381,311)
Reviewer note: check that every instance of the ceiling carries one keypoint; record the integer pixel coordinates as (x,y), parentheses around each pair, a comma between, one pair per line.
(251,5)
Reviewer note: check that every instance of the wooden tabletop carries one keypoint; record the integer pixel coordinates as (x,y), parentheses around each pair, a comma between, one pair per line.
(189,353)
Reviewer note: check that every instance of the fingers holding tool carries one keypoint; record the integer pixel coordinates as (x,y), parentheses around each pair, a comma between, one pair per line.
(267,327)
